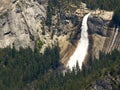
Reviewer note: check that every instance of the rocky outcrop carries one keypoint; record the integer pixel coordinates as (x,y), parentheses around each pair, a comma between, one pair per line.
(97,25)
(21,24)
(104,38)
(106,83)
(100,35)
(97,35)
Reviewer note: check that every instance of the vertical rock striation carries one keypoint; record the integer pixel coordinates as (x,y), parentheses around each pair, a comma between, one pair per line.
(20,24)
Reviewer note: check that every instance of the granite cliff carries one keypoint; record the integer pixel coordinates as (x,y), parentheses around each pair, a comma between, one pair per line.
(22,24)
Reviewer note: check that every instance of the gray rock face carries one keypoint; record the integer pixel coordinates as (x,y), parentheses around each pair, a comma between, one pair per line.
(97,25)
(102,85)
(101,37)
(21,25)
(107,83)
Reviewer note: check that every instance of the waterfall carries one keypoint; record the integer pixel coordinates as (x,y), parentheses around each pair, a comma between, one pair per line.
(82,47)
(115,35)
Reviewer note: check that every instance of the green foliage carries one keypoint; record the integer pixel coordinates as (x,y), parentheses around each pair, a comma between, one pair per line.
(58,7)
(116,17)
(40,44)
(51,10)
(24,68)
(102,4)
(32,37)
(20,68)
(5,14)
(80,81)
(106,5)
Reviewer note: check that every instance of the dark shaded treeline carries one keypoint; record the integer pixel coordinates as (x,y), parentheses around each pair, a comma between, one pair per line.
(19,68)
(102,4)
(97,69)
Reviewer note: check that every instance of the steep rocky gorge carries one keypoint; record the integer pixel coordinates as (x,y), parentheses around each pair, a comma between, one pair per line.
(101,35)
(22,24)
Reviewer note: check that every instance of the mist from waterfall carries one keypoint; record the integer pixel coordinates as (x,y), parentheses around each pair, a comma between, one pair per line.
(82,47)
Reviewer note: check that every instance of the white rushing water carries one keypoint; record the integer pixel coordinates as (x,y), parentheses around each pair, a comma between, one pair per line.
(81,50)
(115,35)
